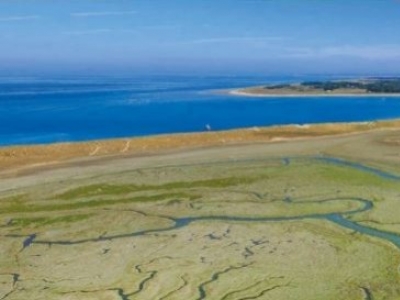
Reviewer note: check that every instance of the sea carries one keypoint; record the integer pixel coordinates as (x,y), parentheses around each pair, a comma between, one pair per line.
(51,110)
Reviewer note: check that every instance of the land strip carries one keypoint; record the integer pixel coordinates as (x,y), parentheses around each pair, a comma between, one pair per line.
(22,160)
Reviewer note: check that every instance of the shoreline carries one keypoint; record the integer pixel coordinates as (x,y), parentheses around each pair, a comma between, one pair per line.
(16,160)
(243,92)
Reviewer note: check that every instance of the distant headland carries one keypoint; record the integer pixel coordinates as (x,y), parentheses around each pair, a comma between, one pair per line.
(376,86)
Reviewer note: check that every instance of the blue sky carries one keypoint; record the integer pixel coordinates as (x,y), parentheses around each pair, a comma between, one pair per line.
(200,36)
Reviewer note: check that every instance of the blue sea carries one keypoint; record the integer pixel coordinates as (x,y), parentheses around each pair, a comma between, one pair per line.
(37,110)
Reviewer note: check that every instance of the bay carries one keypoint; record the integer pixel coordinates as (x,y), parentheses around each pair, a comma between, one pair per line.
(37,110)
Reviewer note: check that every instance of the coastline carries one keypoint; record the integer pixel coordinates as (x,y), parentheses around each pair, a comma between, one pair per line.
(15,160)
(243,92)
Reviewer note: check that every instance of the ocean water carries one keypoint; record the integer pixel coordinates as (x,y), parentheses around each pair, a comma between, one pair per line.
(34,110)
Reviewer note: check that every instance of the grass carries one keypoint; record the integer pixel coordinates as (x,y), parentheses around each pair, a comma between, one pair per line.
(43,221)
(349,176)
(18,198)
(26,208)
(110,189)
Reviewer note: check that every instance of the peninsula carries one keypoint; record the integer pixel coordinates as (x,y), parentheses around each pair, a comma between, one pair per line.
(377,86)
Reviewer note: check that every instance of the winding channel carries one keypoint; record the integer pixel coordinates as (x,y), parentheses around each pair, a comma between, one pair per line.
(339,218)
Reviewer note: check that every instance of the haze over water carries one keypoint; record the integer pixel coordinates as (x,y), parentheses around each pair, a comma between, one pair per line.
(263,40)
(45,111)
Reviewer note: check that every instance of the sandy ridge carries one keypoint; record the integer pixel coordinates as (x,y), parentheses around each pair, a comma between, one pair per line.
(21,157)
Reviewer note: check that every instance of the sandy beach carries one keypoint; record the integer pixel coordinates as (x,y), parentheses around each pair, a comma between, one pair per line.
(19,160)
(258,93)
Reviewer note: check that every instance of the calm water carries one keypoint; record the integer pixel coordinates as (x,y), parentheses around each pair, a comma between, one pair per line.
(43,111)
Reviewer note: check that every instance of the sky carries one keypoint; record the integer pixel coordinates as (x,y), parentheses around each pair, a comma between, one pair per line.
(228,37)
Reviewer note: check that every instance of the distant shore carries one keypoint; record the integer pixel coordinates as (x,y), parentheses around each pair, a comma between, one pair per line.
(257,92)
(363,87)
(20,160)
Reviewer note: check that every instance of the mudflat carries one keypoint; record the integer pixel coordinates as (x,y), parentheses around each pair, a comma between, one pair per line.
(298,212)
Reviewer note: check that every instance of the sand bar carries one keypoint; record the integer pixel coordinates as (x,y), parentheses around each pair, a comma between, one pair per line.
(259,93)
